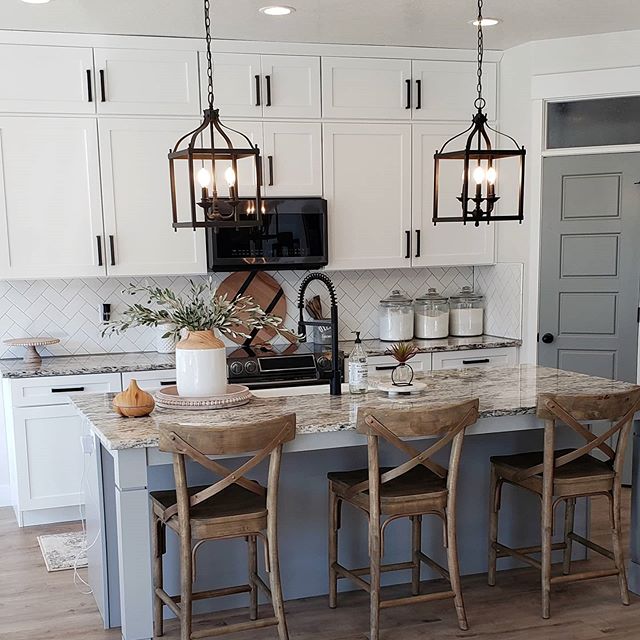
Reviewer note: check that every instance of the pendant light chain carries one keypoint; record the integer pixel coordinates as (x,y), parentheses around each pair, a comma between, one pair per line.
(207,27)
(480,102)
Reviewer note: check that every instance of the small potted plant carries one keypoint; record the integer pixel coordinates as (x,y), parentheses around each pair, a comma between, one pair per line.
(402,352)
(201,366)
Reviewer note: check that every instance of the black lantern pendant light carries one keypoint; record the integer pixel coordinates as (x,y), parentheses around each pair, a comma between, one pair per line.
(479,169)
(204,157)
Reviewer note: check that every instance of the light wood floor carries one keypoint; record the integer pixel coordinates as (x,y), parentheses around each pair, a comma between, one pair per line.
(36,605)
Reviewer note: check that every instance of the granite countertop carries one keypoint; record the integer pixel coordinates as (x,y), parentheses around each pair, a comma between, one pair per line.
(503,391)
(152,361)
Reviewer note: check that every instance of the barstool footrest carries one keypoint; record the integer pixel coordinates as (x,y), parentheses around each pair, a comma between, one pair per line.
(426,597)
(262,584)
(217,593)
(234,628)
(434,565)
(585,575)
(592,545)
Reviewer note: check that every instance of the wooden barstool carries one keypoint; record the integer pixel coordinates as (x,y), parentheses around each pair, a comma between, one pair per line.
(415,488)
(233,507)
(563,476)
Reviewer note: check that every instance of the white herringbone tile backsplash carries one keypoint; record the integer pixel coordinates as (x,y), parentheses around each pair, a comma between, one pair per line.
(501,284)
(69,309)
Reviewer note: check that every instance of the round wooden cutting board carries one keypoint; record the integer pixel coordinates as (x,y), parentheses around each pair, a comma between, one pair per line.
(265,291)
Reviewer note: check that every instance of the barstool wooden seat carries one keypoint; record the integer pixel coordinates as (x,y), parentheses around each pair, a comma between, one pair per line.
(415,488)
(233,507)
(564,476)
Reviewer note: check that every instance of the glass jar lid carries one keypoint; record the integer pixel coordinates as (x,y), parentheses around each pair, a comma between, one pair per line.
(467,294)
(396,298)
(431,296)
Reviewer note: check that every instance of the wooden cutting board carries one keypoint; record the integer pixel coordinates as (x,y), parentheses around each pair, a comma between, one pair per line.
(265,291)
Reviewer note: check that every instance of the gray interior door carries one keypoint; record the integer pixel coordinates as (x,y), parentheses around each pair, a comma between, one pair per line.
(590,267)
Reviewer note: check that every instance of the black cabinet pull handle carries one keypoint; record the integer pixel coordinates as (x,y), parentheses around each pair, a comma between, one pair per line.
(67,389)
(270,161)
(408,235)
(417,243)
(408,94)
(419,96)
(112,250)
(386,367)
(89,86)
(478,361)
(167,383)
(99,242)
(258,100)
(268,102)
(103,90)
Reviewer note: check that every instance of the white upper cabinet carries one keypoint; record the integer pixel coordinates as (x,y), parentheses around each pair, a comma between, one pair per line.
(446,90)
(291,86)
(292,153)
(367,176)
(39,79)
(50,206)
(366,88)
(140,239)
(237,84)
(447,243)
(147,82)
(254,86)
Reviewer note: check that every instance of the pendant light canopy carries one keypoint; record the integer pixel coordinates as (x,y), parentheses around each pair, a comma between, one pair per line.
(480,162)
(211,158)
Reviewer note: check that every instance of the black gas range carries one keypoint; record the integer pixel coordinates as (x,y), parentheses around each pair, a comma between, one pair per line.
(273,366)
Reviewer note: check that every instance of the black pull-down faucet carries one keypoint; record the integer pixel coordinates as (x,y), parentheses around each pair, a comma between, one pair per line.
(335,384)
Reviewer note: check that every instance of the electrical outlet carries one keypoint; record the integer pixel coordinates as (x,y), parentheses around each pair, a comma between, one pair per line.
(105,312)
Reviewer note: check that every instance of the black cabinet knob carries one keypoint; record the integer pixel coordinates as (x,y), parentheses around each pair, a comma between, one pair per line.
(548,338)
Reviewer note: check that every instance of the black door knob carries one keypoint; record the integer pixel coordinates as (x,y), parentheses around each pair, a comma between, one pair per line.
(547,338)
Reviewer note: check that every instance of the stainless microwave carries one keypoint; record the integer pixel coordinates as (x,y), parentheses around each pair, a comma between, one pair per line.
(293,235)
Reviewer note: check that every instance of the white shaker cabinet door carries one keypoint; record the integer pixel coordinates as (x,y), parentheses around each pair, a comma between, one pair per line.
(447,243)
(367,179)
(293,158)
(366,88)
(238,84)
(147,82)
(291,86)
(37,79)
(140,239)
(50,205)
(446,90)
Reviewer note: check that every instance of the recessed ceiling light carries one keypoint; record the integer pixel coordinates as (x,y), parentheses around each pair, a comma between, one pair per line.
(486,22)
(277,10)
(36,1)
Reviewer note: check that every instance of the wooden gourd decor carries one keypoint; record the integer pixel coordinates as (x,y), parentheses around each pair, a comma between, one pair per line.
(133,402)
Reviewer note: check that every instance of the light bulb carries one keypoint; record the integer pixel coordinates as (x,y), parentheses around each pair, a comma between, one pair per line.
(230,176)
(491,175)
(478,174)
(204,178)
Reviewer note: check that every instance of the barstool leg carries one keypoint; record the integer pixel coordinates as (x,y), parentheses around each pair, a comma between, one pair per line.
(252,548)
(186,586)
(335,506)
(547,533)
(454,571)
(274,576)
(494,509)
(617,545)
(157,540)
(375,559)
(416,547)
(569,518)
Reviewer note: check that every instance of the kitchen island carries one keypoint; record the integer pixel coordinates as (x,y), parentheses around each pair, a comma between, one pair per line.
(126,465)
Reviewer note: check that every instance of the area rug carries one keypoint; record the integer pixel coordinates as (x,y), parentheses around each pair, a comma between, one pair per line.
(62,551)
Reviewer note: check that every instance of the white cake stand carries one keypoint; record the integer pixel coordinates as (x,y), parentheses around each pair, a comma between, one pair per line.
(31,355)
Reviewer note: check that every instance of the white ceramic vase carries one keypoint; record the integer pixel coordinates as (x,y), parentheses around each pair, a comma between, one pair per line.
(164,345)
(201,365)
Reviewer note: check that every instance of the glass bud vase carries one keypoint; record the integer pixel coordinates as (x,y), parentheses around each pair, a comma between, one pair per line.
(402,375)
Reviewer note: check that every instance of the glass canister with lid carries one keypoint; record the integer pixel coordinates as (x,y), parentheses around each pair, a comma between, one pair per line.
(396,317)
(467,313)
(431,316)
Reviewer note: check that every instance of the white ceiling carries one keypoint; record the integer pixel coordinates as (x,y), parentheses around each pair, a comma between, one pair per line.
(432,23)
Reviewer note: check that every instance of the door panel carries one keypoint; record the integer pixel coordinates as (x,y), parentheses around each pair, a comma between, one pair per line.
(137,199)
(590,268)
(235,84)
(50,205)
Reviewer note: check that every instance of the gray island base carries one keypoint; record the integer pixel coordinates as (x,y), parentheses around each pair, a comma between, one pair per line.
(126,464)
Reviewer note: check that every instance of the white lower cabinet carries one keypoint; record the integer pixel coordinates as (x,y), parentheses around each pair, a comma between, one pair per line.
(499,357)
(150,380)
(46,460)
(383,365)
